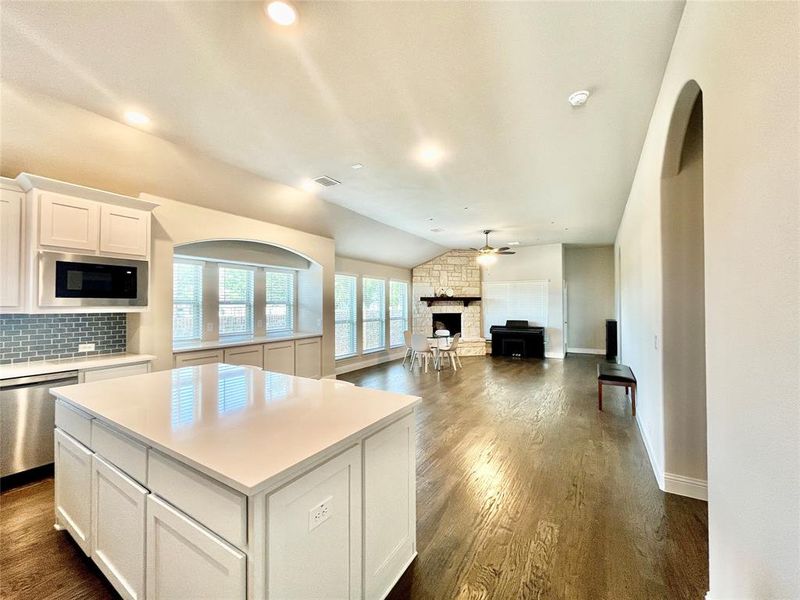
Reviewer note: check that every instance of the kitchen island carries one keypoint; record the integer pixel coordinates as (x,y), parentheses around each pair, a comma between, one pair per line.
(222,481)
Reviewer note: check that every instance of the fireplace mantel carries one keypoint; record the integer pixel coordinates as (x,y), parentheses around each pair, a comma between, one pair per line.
(439,299)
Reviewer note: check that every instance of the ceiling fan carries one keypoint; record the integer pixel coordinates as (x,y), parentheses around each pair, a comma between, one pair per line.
(487,254)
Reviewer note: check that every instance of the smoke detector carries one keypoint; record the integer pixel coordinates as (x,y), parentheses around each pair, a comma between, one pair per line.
(578,98)
(326,181)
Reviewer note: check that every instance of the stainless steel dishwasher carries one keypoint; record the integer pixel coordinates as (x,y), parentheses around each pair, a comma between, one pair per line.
(27,419)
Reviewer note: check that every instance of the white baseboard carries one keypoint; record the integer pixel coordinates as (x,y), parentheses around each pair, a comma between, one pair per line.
(670,482)
(553,354)
(658,471)
(686,486)
(370,361)
(586,350)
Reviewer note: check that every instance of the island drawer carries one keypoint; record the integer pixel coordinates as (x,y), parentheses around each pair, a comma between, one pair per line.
(75,422)
(119,449)
(222,509)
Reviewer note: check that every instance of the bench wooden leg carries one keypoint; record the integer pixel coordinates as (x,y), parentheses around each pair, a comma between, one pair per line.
(633,399)
(599,395)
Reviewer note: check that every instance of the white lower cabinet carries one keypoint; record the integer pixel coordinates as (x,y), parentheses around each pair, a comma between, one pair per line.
(112,372)
(118,526)
(186,561)
(201,357)
(245,355)
(307,358)
(314,533)
(389,505)
(73,485)
(279,357)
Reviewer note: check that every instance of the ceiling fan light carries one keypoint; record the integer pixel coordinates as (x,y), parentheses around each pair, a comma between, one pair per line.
(486,260)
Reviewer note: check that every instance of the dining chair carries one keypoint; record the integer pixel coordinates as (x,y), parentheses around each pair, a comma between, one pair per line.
(409,350)
(451,352)
(422,349)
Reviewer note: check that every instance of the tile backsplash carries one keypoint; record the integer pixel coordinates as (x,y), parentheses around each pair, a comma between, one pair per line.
(26,338)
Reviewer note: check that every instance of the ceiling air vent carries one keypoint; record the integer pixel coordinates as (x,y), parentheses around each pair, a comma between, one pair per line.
(326,181)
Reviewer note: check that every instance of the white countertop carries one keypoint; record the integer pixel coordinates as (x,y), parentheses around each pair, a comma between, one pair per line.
(242,340)
(240,425)
(71,364)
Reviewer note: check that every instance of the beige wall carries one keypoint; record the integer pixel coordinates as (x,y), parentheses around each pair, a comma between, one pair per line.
(363,268)
(589,273)
(684,343)
(544,262)
(180,223)
(48,137)
(744,56)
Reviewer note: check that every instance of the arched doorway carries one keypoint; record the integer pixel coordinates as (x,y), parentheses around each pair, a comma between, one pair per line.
(683,299)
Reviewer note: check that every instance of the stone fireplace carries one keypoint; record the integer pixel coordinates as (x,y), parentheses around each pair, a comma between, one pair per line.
(457,270)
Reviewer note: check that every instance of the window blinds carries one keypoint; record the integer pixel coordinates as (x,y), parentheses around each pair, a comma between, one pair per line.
(187,301)
(374,313)
(280,300)
(235,301)
(398,312)
(524,300)
(345,315)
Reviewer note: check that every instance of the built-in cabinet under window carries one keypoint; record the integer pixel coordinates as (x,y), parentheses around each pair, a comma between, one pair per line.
(301,357)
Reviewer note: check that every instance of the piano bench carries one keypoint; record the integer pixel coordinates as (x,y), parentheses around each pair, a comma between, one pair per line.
(614,374)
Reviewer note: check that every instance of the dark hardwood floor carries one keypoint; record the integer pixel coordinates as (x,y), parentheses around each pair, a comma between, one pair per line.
(524,490)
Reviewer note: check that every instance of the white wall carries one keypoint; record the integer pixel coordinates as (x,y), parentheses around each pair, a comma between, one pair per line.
(538,263)
(744,56)
(363,268)
(589,273)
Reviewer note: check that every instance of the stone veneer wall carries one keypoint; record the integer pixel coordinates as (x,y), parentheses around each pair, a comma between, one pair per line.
(455,269)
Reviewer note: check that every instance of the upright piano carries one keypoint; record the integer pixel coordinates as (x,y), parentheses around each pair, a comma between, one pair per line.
(517,338)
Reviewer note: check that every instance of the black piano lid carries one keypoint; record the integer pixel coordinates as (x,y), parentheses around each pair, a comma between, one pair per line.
(517,324)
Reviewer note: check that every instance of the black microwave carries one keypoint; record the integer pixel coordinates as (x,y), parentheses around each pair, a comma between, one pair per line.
(82,280)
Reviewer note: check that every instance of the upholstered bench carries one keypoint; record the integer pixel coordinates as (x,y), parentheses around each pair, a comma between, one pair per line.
(614,374)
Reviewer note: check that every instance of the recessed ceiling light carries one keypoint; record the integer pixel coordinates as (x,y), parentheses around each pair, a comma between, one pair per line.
(136,118)
(356,166)
(281,13)
(578,98)
(512,243)
(429,154)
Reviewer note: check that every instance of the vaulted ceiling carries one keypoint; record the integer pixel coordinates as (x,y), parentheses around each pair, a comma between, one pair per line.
(368,82)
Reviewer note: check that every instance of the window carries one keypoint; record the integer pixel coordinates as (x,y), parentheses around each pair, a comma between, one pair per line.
(374,314)
(235,301)
(345,309)
(187,301)
(279,310)
(398,312)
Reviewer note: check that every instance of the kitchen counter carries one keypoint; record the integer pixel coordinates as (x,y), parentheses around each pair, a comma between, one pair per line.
(243,340)
(241,425)
(231,482)
(72,364)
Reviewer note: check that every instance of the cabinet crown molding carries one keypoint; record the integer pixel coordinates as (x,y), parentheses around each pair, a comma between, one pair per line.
(27,182)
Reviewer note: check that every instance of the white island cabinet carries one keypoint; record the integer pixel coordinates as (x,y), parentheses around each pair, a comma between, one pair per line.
(228,482)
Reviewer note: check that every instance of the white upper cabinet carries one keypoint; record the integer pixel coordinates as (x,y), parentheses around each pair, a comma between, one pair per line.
(124,230)
(68,222)
(11,203)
